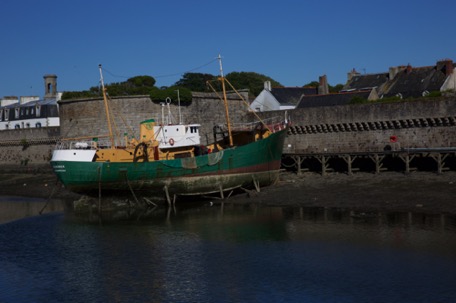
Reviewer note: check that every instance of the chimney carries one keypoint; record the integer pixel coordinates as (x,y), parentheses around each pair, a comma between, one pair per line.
(352,74)
(267,85)
(409,68)
(393,72)
(448,67)
(323,88)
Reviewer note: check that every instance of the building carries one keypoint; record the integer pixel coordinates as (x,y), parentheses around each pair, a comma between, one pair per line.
(31,111)
(399,81)
(405,81)
(280,98)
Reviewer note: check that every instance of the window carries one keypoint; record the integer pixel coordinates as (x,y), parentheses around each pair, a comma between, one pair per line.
(38,124)
(27,125)
(1,114)
(6,114)
(16,113)
(38,110)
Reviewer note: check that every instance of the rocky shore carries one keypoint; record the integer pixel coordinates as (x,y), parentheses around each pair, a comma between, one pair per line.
(388,191)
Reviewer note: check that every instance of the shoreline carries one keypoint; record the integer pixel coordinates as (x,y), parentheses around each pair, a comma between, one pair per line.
(388,191)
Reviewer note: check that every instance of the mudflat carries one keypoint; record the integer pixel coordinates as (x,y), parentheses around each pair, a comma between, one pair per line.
(388,191)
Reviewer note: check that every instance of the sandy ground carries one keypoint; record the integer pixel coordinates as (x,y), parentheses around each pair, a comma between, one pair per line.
(387,191)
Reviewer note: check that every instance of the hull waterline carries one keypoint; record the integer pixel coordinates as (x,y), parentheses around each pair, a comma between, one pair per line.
(243,166)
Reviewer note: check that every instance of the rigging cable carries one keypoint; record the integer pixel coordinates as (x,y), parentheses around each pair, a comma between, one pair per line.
(164,75)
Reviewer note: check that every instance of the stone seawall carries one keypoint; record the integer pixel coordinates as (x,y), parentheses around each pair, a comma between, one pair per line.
(25,148)
(32,148)
(82,118)
(427,123)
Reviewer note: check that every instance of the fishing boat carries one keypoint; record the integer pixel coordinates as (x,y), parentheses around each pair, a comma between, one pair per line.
(168,160)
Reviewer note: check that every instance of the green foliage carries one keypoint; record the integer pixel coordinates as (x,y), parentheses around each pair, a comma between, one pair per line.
(389,99)
(332,89)
(25,144)
(141,81)
(434,94)
(336,88)
(139,85)
(185,95)
(358,100)
(250,80)
(195,82)
(312,84)
(79,95)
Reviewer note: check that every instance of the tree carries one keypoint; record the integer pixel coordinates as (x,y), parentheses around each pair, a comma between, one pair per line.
(141,81)
(139,85)
(332,89)
(336,88)
(312,84)
(195,82)
(185,95)
(250,80)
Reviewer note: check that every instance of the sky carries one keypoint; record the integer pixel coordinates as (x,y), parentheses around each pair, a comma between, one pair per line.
(292,41)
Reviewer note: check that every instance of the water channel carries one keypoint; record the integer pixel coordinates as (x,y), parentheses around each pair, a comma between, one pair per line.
(207,252)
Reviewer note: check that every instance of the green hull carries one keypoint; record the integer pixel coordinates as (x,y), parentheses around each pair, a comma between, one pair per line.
(242,166)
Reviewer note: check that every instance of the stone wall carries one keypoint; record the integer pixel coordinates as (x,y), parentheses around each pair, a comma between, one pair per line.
(20,148)
(87,118)
(428,123)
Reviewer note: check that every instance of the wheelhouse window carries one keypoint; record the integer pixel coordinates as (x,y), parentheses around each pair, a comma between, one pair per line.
(1,114)
(16,113)
(6,114)
(38,110)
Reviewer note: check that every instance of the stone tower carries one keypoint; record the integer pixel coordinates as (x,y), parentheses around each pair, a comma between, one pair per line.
(50,86)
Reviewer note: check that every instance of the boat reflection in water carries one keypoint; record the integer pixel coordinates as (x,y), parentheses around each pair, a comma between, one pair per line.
(209,252)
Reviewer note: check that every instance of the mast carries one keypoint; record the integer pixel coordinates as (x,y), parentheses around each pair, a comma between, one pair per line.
(225,101)
(106,105)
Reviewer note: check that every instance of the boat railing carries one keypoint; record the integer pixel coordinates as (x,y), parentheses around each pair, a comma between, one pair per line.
(98,143)
(273,123)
